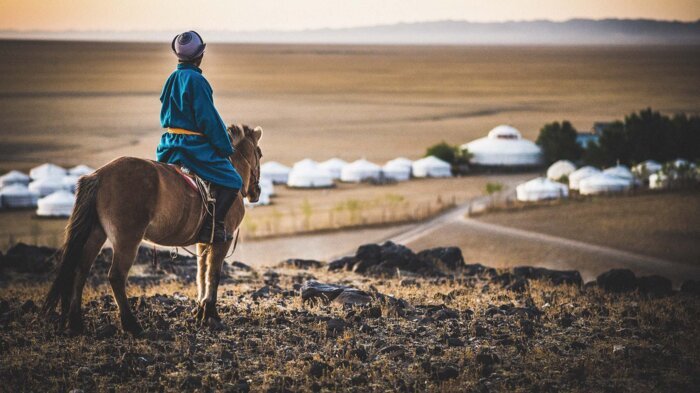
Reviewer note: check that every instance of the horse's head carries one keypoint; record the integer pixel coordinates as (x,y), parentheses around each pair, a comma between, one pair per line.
(246,159)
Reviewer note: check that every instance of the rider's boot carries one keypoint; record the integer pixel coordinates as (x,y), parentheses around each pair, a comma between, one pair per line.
(224,200)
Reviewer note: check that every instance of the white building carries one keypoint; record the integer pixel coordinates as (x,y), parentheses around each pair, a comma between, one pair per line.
(646,168)
(58,204)
(273,170)
(620,171)
(17,196)
(504,147)
(658,181)
(398,169)
(307,174)
(540,189)
(47,170)
(431,166)
(14,177)
(603,183)
(70,182)
(360,170)
(47,185)
(80,170)
(560,169)
(334,166)
(576,176)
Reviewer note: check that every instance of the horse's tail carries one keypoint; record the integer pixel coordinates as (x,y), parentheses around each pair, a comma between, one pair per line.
(80,225)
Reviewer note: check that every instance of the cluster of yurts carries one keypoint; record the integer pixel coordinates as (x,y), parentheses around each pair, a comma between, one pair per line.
(48,187)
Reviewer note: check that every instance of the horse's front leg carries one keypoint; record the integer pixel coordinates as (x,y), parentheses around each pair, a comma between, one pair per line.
(215,260)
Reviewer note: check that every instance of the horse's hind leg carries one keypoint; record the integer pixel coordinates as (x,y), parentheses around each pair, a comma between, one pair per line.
(92,247)
(124,254)
(215,260)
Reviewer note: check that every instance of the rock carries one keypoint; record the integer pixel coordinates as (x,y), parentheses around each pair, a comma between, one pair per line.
(475,269)
(487,358)
(393,351)
(317,369)
(241,266)
(335,326)
(24,258)
(370,253)
(691,287)
(313,289)
(655,286)
(301,264)
(446,372)
(617,280)
(448,257)
(372,312)
(106,331)
(557,277)
(519,285)
(345,263)
(265,292)
(619,350)
(353,296)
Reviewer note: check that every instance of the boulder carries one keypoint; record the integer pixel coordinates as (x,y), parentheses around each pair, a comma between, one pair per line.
(301,264)
(337,293)
(448,257)
(557,277)
(691,287)
(655,286)
(24,258)
(345,263)
(617,280)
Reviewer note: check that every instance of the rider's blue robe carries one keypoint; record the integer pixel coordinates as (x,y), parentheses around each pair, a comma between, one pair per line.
(188,103)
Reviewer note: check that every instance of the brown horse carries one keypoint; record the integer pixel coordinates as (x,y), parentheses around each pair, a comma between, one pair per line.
(132,199)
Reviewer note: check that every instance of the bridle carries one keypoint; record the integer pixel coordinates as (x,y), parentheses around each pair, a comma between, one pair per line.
(254,169)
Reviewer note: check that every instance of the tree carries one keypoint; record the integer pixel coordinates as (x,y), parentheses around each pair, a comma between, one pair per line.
(446,152)
(558,142)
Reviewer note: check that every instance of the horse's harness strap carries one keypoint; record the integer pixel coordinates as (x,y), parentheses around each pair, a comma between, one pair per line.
(182,131)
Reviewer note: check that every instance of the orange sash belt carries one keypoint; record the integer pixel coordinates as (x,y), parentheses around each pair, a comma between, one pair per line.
(183,131)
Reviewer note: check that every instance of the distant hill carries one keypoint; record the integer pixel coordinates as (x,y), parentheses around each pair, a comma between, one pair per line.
(538,32)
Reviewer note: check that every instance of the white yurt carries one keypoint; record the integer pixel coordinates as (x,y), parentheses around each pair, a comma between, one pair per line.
(267,187)
(14,177)
(576,176)
(658,181)
(47,170)
(17,195)
(402,161)
(307,174)
(273,170)
(334,166)
(603,183)
(58,204)
(540,189)
(431,166)
(397,170)
(70,182)
(647,167)
(360,170)
(47,185)
(560,169)
(80,170)
(504,147)
(620,171)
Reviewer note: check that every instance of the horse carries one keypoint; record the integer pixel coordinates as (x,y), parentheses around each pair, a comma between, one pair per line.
(130,200)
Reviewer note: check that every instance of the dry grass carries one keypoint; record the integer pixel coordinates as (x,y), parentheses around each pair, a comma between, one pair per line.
(666,225)
(272,343)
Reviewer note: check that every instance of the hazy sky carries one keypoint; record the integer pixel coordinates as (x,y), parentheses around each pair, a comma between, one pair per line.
(124,15)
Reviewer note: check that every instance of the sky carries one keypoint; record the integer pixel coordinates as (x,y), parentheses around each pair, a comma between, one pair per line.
(250,15)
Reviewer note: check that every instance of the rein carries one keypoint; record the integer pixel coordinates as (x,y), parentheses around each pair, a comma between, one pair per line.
(255,173)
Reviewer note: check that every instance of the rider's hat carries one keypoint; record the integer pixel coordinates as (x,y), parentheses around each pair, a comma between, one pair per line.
(188,46)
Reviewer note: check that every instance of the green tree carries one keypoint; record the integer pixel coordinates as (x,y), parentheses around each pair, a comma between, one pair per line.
(558,142)
(446,152)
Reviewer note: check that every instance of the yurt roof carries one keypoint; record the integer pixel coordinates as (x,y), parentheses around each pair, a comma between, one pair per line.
(679,162)
(60,197)
(274,167)
(433,162)
(400,161)
(333,163)
(584,171)
(562,166)
(15,190)
(47,182)
(649,166)
(540,184)
(305,163)
(80,170)
(604,179)
(363,164)
(504,131)
(14,176)
(396,166)
(46,170)
(620,171)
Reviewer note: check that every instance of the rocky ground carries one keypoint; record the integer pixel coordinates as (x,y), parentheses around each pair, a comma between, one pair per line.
(386,319)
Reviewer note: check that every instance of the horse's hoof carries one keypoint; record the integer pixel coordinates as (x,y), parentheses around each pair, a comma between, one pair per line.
(76,327)
(132,327)
(213,324)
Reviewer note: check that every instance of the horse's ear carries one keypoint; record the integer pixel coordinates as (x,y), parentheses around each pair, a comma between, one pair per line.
(237,134)
(257,133)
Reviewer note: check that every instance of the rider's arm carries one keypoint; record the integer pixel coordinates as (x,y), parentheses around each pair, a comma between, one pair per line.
(208,120)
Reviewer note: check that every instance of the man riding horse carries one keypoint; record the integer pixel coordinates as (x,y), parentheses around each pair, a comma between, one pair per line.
(196,137)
